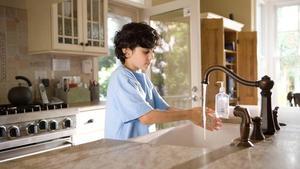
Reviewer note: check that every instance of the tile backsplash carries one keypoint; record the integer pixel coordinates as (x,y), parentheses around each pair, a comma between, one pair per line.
(14,59)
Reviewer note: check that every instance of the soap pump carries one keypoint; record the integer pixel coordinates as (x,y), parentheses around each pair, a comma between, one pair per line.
(222,102)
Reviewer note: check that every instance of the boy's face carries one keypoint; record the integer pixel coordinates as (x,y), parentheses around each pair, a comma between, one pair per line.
(138,58)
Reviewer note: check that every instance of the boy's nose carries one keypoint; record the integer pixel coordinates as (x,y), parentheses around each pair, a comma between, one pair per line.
(150,55)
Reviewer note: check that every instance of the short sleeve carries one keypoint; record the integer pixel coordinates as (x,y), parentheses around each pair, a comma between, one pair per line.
(130,98)
(160,103)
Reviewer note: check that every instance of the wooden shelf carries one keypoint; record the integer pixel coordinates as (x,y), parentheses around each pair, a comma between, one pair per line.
(229,51)
(230,64)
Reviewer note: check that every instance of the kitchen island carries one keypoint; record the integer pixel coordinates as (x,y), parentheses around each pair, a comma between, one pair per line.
(281,150)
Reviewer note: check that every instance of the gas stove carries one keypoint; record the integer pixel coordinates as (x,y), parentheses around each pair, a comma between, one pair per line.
(28,129)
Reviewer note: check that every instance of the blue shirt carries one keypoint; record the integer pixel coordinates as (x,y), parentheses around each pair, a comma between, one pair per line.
(130,95)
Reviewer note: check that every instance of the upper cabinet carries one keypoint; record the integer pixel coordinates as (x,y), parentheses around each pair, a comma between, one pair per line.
(223,43)
(69,27)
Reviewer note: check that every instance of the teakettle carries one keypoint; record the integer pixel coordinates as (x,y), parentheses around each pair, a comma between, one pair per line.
(20,95)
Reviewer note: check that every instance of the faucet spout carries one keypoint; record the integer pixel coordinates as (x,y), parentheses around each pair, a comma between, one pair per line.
(265,84)
(229,73)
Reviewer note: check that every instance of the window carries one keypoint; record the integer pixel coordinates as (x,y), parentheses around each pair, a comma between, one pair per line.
(117,17)
(288,50)
(280,47)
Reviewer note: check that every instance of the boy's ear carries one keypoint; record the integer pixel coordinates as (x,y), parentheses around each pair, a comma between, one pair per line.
(124,50)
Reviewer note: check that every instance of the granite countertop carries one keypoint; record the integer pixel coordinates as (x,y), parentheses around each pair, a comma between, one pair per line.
(281,150)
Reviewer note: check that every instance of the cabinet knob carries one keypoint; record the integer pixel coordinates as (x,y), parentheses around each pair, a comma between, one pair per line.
(84,44)
(90,121)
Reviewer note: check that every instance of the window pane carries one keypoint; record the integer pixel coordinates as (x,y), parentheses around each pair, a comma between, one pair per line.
(287,18)
(288,44)
(59,9)
(60,26)
(68,41)
(89,10)
(67,8)
(95,10)
(68,27)
(89,29)
(75,26)
(75,8)
(172,60)
(95,31)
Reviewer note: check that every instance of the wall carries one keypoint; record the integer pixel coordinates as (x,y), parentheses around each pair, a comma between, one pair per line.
(14,59)
(14,3)
(242,10)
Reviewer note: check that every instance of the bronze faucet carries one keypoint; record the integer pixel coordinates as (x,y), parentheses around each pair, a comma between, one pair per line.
(265,84)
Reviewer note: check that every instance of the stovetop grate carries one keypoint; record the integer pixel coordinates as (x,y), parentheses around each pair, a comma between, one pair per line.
(8,109)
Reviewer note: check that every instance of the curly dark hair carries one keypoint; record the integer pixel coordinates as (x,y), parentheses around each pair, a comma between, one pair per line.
(134,35)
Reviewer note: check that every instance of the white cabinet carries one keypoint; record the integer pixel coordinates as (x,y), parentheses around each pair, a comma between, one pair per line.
(89,125)
(68,27)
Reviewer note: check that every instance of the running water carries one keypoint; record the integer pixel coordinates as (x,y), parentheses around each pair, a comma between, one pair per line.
(204,109)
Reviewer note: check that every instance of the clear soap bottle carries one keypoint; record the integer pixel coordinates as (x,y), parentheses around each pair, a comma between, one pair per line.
(222,102)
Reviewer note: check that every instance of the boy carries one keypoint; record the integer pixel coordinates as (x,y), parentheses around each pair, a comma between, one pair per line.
(132,101)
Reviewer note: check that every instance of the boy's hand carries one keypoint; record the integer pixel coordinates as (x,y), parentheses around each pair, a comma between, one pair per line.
(212,122)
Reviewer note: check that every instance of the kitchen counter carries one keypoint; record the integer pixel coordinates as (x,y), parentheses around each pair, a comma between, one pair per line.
(281,150)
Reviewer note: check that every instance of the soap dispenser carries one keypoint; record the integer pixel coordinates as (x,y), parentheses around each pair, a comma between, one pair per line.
(222,102)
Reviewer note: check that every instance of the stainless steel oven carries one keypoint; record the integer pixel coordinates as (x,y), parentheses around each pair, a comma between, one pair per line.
(31,130)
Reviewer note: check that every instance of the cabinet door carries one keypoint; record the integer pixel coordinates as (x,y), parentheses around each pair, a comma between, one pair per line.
(94,25)
(212,53)
(247,66)
(67,25)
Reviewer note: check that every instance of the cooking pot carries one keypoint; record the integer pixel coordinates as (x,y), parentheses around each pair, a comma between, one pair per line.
(20,95)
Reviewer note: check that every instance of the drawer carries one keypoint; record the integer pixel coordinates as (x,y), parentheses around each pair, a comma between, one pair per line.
(89,121)
(87,137)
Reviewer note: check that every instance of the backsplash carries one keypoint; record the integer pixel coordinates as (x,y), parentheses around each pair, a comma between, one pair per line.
(14,59)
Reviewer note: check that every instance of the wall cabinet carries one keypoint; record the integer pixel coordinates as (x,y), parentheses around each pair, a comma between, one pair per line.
(223,43)
(89,126)
(68,27)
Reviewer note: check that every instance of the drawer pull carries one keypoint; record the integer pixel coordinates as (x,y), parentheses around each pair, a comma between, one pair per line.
(90,121)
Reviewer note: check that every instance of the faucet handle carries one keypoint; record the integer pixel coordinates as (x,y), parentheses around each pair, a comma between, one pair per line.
(275,116)
(257,133)
(244,140)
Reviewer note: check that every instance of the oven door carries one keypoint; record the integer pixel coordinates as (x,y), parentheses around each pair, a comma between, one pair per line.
(35,148)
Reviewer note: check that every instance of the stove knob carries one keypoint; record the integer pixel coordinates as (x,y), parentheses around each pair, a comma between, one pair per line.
(31,129)
(67,123)
(2,131)
(13,132)
(43,125)
(53,125)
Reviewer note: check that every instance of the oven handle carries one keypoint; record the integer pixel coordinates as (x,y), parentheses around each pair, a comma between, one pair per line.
(36,148)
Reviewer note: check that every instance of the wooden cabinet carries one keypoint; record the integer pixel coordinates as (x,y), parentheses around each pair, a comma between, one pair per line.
(223,43)
(89,125)
(68,27)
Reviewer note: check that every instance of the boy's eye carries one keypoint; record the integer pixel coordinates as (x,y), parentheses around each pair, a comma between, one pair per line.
(148,51)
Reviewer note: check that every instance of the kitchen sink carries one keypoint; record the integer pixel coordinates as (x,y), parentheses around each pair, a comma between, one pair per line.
(191,135)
